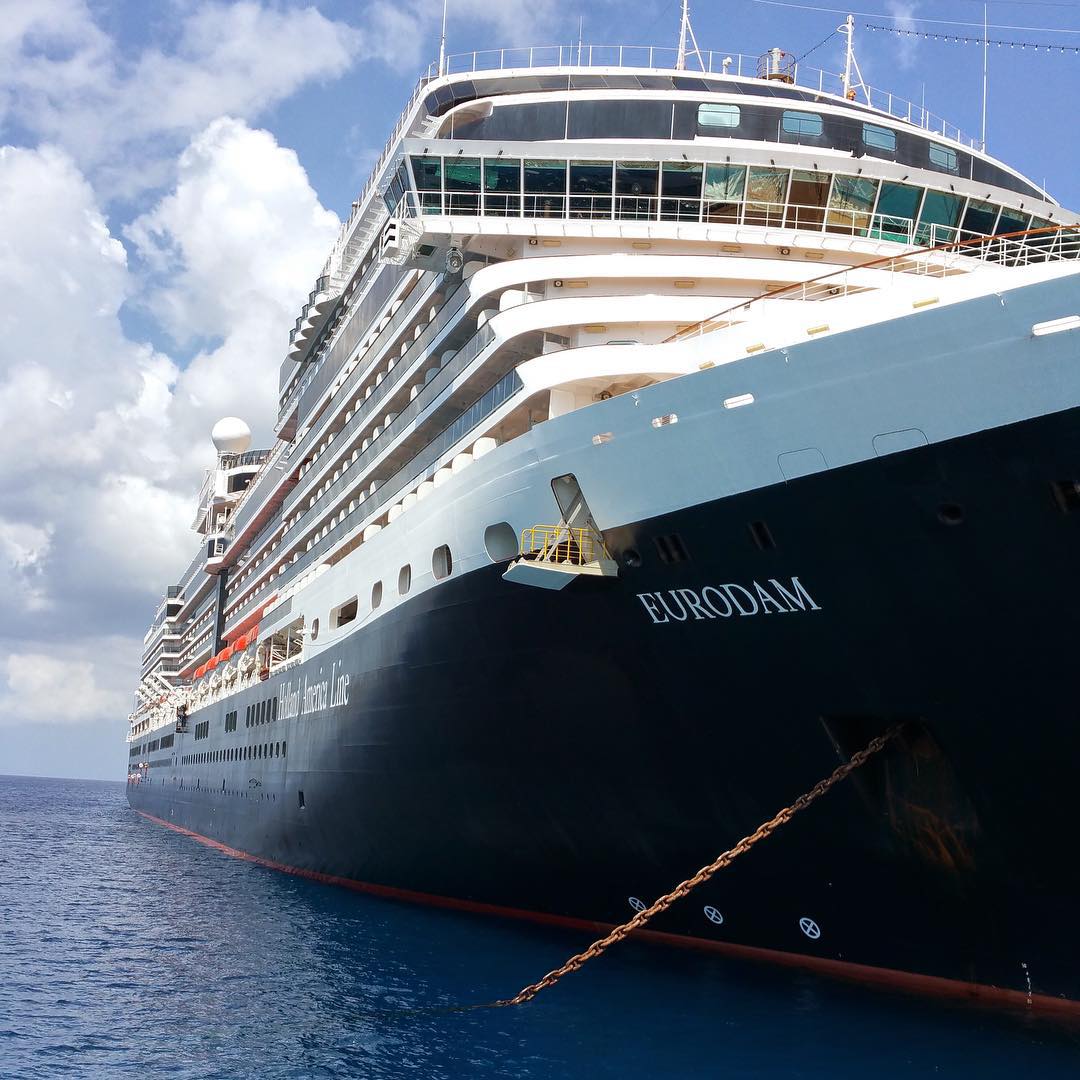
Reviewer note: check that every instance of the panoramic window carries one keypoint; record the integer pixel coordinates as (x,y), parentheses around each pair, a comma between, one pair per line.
(428,173)
(502,186)
(1011,221)
(636,184)
(944,157)
(940,213)
(442,563)
(850,204)
(462,179)
(717,117)
(404,579)
(794,122)
(545,188)
(681,188)
(897,208)
(807,197)
(880,138)
(590,189)
(980,217)
(724,188)
(766,193)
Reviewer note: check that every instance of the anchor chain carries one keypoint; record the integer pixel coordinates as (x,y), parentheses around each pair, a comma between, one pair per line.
(664,902)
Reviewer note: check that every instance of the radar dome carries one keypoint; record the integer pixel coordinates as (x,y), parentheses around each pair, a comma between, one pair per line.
(231,435)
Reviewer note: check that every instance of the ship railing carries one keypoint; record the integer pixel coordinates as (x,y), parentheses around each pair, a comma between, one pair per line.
(832,219)
(563,545)
(665,58)
(1028,247)
(242,510)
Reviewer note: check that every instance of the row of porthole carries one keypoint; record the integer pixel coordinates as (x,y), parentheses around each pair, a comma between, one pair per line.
(251,752)
(807,925)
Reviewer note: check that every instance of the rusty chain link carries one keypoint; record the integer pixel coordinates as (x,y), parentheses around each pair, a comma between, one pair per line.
(703,875)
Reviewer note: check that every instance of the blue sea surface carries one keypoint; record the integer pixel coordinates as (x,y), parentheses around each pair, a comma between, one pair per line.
(127,949)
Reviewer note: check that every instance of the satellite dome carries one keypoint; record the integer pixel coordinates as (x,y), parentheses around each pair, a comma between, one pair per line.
(231,435)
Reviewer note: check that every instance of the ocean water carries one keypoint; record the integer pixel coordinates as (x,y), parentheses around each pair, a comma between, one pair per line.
(127,949)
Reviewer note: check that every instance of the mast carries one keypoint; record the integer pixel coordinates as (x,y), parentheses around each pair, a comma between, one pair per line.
(851,64)
(686,34)
(442,40)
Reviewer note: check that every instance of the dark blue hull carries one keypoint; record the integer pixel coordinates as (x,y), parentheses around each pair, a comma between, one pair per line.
(563,752)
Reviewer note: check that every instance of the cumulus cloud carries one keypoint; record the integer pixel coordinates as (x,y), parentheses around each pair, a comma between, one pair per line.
(65,81)
(232,252)
(103,438)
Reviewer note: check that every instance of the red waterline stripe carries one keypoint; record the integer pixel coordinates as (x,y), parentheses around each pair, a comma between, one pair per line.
(933,985)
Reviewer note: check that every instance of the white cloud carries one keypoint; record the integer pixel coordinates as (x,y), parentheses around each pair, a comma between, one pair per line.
(102,438)
(63,79)
(907,48)
(234,250)
(60,686)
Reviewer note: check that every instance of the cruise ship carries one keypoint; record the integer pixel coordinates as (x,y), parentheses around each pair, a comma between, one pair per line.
(664,426)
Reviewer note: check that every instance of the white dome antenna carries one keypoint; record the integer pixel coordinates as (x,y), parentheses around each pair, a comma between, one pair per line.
(231,435)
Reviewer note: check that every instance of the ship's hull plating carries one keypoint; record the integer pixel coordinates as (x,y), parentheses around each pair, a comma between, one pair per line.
(562,752)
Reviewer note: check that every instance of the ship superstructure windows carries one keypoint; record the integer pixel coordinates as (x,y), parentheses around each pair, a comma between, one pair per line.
(879,138)
(943,157)
(802,124)
(717,116)
(404,580)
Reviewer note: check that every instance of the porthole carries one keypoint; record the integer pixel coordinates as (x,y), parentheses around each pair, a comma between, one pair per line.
(404,580)
(314,629)
(501,542)
(951,514)
(442,562)
(631,558)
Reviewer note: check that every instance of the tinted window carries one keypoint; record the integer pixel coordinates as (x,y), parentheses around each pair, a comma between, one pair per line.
(980,217)
(898,207)
(502,174)
(636,177)
(1011,221)
(682,179)
(545,176)
(850,204)
(618,120)
(881,138)
(428,173)
(724,187)
(944,157)
(940,213)
(591,177)
(462,174)
(801,123)
(711,117)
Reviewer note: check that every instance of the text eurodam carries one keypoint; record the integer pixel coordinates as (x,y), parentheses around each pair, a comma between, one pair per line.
(724,601)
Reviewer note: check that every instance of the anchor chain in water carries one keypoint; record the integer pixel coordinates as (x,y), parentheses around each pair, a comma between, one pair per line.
(703,875)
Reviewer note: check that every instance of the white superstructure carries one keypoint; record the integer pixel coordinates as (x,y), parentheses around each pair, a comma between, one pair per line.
(547,229)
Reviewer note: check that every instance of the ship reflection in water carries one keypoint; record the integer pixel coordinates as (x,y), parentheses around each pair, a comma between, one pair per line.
(128,947)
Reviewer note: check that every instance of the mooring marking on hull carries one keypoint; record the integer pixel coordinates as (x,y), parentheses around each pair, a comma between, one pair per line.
(810,928)
(635,903)
(713,915)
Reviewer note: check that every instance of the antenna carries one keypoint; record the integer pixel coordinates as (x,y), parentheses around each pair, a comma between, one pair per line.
(686,32)
(985,78)
(851,64)
(442,40)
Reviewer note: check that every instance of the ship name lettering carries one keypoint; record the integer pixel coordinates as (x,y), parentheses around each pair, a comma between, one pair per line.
(724,601)
(303,697)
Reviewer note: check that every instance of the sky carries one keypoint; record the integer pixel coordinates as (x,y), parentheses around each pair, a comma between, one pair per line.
(172,175)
